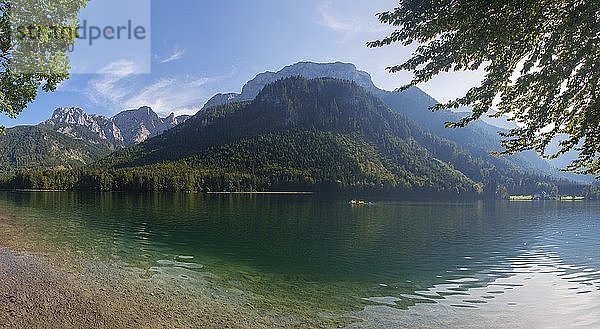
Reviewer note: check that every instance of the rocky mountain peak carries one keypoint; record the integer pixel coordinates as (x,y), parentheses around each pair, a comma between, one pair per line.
(142,114)
(308,70)
(126,128)
(337,70)
(71,115)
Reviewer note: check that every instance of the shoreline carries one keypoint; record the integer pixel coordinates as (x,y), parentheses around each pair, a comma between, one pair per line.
(256,192)
(264,193)
(36,293)
(379,195)
(41,287)
(45,288)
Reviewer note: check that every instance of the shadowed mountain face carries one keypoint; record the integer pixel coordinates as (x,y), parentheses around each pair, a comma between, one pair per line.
(479,138)
(294,103)
(34,147)
(328,132)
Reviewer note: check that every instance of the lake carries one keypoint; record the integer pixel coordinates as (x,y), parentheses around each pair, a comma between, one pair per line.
(389,264)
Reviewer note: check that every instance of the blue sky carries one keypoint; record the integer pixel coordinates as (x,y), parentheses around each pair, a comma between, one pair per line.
(199,48)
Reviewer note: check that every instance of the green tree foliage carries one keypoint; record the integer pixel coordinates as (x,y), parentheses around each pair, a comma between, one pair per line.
(166,177)
(32,53)
(35,147)
(540,58)
(592,192)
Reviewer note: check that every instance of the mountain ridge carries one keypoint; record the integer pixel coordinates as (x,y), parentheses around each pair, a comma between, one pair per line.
(309,70)
(72,138)
(298,128)
(36,148)
(126,128)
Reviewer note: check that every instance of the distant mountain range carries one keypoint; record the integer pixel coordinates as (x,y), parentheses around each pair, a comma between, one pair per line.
(331,134)
(309,126)
(73,138)
(124,129)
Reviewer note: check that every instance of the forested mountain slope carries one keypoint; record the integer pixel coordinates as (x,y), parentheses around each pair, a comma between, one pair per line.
(321,132)
(479,138)
(32,147)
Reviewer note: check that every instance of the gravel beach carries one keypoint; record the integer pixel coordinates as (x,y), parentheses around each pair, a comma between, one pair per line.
(44,284)
(42,288)
(34,293)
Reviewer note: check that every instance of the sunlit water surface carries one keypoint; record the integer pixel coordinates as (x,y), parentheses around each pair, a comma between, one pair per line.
(391,264)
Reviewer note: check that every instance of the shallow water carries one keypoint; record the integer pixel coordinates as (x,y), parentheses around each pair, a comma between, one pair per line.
(392,264)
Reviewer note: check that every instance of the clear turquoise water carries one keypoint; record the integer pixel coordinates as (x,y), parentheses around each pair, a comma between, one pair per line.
(317,255)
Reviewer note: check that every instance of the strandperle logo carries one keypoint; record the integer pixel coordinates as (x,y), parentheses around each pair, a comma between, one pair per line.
(85,31)
(86,36)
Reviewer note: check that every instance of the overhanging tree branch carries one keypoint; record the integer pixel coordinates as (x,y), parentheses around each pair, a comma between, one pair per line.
(540,59)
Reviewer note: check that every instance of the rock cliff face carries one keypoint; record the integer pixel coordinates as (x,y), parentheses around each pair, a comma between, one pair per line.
(308,70)
(124,129)
(76,123)
(73,138)
(138,125)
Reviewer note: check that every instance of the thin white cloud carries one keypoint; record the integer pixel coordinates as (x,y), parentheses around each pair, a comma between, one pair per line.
(111,86)
(177,54)
(181,96)
(348,26)
(331,21)
(118,88)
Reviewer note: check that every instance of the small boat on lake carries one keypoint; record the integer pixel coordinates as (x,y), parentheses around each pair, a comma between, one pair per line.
(360,203)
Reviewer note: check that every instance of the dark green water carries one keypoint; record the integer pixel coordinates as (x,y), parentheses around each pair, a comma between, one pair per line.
(311,255)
